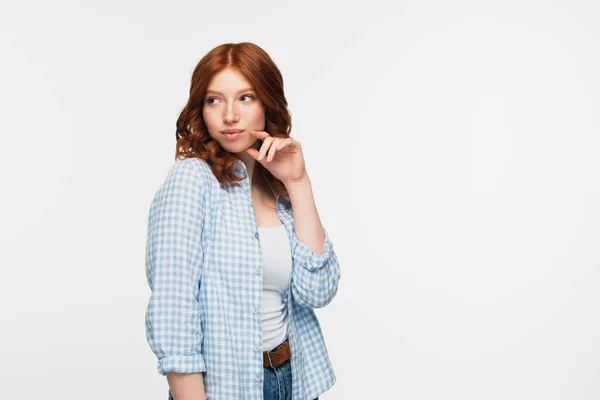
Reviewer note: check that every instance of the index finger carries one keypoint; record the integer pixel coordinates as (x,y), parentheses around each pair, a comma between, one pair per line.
(260,134)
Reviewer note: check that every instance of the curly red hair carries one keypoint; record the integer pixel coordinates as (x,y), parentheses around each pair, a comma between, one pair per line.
(193,139)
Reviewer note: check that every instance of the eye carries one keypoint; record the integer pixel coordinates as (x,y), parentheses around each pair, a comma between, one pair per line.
(210,99)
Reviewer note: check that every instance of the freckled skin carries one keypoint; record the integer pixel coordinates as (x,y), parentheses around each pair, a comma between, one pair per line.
(232,108)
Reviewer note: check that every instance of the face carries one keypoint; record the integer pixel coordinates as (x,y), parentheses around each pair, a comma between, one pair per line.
(231,103)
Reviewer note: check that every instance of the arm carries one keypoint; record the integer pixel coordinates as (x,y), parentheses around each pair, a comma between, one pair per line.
(316,271)
(173,269)
(188,386)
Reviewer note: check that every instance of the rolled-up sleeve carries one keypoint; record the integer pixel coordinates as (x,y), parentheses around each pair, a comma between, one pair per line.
(173,269)
(315,276)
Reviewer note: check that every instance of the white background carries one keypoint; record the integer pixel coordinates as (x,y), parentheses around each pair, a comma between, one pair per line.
(453,149)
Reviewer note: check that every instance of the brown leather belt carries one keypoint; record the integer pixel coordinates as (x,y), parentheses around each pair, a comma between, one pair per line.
(279,355)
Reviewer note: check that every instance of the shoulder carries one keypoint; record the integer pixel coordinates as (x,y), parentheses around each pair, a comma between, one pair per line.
(190,165)
(190,170)
(187,178)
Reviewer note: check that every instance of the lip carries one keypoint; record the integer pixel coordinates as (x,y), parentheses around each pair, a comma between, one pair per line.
(232,134)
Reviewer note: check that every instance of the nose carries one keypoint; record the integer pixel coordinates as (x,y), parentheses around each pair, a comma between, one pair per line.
(231,114)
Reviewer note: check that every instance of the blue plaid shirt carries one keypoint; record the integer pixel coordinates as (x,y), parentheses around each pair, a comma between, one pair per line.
(204,267)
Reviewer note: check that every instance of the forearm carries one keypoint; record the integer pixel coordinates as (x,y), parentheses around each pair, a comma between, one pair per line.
(306,218)
(186,386)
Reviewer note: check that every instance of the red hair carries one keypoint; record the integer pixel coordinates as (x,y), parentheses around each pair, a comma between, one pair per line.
(193,139)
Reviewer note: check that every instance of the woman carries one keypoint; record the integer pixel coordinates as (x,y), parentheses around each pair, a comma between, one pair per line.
(236,257)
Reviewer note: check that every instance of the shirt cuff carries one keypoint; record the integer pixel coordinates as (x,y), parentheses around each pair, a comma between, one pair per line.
(181,363)
(310,259)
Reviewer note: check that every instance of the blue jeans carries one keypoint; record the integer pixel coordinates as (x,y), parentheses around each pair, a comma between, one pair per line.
(278,382)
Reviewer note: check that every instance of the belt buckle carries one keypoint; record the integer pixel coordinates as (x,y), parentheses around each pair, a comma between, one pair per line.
(275,349)
(269,357)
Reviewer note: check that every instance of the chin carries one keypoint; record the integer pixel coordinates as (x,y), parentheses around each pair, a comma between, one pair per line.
(235,147)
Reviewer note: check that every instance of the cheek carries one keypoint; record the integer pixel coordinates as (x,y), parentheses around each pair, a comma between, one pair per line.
(257,116)
(206,116)
(211,120)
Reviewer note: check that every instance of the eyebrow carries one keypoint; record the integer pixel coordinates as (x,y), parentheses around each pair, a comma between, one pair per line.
(243,90)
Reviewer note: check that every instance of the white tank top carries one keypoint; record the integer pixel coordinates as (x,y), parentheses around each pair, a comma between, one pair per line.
(277,262)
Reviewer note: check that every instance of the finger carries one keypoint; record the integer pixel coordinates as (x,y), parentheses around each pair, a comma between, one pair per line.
(253,152)
(260,134)
(273,149)
(284,143)
(265,147)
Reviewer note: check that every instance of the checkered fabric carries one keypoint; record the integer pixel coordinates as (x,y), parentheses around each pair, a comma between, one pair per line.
(204,268)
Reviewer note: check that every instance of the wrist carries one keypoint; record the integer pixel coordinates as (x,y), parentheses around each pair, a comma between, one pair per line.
(303,181)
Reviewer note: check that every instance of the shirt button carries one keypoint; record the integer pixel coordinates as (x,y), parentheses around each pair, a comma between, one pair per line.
(257,271)
(258,374)
(255,309)
(255,348)
(256,235)
(257,384)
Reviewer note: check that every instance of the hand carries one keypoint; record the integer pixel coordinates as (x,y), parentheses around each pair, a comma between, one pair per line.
(281,156)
